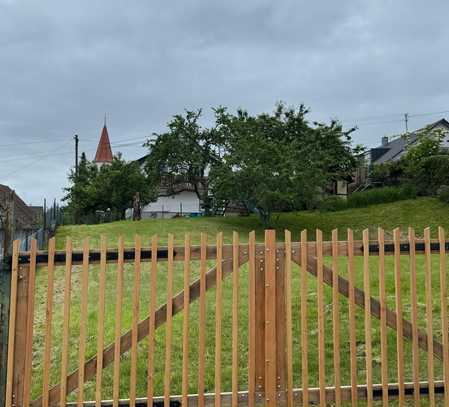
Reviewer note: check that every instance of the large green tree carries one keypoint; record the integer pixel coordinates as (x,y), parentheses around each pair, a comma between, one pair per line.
(279,161)
(110,188)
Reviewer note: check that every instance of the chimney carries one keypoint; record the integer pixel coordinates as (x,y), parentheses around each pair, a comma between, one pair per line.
(384,140)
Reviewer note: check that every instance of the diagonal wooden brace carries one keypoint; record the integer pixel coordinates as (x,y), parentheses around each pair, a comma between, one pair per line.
(343,288)
(90,366)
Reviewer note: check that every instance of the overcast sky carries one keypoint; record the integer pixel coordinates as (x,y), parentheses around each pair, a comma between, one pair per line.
(64,64)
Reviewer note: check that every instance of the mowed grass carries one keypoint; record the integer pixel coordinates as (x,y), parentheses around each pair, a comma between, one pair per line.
(418,213)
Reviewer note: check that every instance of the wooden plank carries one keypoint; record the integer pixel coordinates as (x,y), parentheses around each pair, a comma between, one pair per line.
(135,323)
(251,319)
(83,320)
(259,347)
(235,318)
(112,254)
(169,323)
(297,394)
(336,319)
(304,316)
(288,315)
(270,318)
(429,316)
(12,324)
(118,322)
(100,320)
(48,322)
(444,313)
(152,321)
(399,319)
(218,316)
(383,319)
(414,315)
(66,324)
(143,328)
(185,323)
(202,322)
(352,326)
(30,324)
(320,313)
(368,335)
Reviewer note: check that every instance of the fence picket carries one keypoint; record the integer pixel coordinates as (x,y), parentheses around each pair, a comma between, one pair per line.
(399,319)
(414,316)
(336,318)
(444,314)
(235,317)
(48,322)
(118,322)
(169,323)
(383,317)
(152,321)
(251,319)
(288,315)
(30,324)
(66,323)
(83,320)
(304,316)
(202,322)
(185,323)
(368,335)
(218,312)
(100,322)
(321,314)
(270,318)
(429,316)
(352,320)
(12,324)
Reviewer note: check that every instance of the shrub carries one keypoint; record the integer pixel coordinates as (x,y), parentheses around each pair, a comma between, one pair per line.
(369,197)
(388,174)
(431,174)
(443,194)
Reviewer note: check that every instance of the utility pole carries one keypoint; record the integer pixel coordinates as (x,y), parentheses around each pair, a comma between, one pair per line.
(406,122)
(76,138)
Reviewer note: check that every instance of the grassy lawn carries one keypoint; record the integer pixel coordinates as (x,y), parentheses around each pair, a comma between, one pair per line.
(418,213)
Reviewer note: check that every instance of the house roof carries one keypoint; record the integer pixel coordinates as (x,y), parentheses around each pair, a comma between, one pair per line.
(25,216)
(104,151)
(394,149)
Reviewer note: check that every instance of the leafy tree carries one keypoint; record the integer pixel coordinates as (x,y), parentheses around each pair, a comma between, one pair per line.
(109,188)
(116,184)
(427,144)
(183,154)
(80,196)
(278,161)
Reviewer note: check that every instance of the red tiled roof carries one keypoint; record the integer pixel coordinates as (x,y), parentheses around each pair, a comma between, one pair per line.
(104,152)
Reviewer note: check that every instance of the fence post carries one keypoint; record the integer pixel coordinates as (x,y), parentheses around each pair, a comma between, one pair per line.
(21,334)
(5,293)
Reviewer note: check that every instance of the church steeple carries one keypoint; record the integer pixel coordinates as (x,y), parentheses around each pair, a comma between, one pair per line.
(104,151)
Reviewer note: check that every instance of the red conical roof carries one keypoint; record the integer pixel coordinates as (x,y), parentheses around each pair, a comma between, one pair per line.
(104,152)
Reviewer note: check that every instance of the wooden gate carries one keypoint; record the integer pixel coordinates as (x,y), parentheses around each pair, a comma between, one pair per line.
(297,322)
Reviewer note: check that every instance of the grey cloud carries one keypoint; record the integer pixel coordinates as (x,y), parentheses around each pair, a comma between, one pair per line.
(64,64)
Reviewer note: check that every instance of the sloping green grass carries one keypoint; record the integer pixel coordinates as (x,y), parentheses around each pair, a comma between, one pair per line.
(417,213)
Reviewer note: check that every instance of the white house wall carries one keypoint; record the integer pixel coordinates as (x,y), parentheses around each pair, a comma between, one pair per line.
(185,202)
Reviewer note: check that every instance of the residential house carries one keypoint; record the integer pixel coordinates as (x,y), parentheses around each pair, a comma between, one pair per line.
(16,217)
(393,149)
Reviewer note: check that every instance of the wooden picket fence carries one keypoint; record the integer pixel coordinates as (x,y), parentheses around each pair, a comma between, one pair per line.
(290,360)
